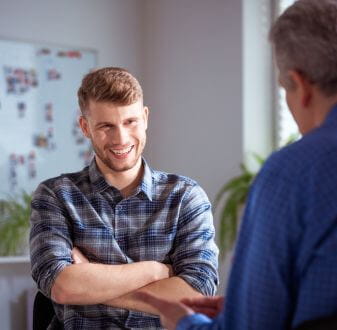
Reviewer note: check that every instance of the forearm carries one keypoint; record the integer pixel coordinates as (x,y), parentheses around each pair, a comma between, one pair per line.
(89,283)
(173,288)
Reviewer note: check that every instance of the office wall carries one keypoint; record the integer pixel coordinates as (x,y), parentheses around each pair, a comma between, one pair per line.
(114,29)
(193,86)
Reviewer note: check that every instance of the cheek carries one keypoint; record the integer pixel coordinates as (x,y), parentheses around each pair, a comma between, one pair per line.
(100,137)
(141,135)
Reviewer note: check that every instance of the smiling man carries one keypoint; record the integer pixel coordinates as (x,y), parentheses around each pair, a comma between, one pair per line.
(118,227)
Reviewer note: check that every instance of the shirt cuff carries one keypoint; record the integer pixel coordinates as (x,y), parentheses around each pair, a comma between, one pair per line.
(190,320)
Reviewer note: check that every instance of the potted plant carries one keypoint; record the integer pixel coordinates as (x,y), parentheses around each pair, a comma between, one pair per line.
(14,224)
(231,199)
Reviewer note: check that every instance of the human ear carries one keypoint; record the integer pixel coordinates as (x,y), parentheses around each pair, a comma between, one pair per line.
(302,85)
(84,126)
(145,116)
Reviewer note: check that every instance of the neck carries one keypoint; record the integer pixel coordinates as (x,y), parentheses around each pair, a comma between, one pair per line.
(124,181)
(324,106)
(320,107)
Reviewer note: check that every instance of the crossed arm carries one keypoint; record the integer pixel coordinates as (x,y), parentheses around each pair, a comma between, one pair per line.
(87,283)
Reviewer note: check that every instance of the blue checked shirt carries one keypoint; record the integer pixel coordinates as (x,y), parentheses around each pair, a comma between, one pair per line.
(285,265)
(168,219)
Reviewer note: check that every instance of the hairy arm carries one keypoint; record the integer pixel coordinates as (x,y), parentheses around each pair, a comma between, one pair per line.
(89,283)
(173,289)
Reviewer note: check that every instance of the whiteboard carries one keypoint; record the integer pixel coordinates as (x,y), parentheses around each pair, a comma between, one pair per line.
(39,133)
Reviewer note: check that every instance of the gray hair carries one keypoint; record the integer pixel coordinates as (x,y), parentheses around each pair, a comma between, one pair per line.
(304,39)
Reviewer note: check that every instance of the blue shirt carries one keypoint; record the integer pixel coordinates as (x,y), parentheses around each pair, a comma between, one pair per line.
(168,219)
(285,266)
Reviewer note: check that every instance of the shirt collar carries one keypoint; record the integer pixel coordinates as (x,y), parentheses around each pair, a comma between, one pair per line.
(146,185)
(99,183)
(96,177)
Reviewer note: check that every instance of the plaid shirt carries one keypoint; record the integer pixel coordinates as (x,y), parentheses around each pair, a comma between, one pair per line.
(168,219)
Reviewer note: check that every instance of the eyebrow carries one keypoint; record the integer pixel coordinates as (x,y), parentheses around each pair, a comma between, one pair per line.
(111,124)
(103,123)
(132,118)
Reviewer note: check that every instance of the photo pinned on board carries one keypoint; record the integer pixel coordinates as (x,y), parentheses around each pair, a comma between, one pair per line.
(19,80)
(53,74)
(21,106)
(48,112)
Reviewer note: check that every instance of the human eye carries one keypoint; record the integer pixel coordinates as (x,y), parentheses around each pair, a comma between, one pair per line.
(131,122)
(104,126)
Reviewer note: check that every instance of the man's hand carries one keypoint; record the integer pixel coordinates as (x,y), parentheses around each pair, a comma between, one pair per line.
(78,257)
(170,312)
(210,306)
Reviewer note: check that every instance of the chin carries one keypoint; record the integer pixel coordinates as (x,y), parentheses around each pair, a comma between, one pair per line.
(122,167)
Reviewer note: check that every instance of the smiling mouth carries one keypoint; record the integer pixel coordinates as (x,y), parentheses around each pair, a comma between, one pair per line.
(122,152)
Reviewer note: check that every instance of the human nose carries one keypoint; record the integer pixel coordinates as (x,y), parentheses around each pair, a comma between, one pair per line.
(119,136)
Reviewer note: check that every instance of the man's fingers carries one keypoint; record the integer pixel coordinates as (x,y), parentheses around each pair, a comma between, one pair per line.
(210,312)
(203,301)
(200,301)
(78,256)
(171,273)
(170,312)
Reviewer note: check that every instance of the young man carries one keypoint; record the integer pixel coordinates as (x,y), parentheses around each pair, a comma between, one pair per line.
(118,227)
(284,272)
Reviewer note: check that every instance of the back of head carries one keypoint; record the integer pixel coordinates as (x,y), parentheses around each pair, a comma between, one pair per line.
(304,39)
(110,84)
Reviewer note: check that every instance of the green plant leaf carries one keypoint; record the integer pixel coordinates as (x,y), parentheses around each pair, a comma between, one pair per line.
(232,196)
(260,160)
(229,217)
(237,182)
(14,222)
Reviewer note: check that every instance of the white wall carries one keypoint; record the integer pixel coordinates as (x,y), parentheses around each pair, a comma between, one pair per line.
(114,29)
(188,56)
(193,85)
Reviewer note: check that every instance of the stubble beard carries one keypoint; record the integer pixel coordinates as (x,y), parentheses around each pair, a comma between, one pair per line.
(109,163)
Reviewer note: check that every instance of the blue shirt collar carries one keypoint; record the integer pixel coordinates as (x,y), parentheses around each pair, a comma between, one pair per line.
(100,184)
(146,185)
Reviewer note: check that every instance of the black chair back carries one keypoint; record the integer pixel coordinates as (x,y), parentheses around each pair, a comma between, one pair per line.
(325,323)
(43,312)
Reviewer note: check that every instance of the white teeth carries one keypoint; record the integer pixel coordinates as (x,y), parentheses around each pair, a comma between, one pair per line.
(122,151)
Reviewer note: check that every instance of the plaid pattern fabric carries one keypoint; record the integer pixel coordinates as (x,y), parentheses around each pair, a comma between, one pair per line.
(285,265)
(168,219)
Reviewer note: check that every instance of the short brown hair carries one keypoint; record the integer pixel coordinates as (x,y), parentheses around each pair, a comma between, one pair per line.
(110,84)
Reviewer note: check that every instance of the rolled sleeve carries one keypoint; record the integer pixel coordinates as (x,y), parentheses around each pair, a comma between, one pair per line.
(50,242)
(195,256)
